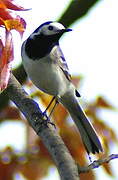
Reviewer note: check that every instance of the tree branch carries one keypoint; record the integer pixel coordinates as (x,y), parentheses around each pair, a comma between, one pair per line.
(20,74)
(76,10)
(53,142)
(97,163)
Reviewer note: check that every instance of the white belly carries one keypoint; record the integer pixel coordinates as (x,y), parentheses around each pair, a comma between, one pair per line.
(48,77)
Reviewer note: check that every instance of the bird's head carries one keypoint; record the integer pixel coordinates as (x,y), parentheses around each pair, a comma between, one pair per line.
(51,28)
(44,38)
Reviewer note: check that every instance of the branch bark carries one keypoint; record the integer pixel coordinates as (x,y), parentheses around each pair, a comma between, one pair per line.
(53,142)
(97,163)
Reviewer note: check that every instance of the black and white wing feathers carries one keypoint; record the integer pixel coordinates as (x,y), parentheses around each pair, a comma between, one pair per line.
(58,57)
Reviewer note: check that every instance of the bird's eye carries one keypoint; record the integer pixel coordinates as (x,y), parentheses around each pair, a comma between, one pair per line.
(50,28)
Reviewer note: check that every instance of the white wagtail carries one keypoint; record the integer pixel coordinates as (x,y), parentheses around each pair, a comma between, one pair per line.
(46,66)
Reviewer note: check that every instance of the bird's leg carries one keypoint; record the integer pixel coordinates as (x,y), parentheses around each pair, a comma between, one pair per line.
(49,105)
(45,114)
(56,102)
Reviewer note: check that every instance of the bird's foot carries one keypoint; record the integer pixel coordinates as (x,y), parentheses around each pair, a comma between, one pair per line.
(41,120)
(47,119)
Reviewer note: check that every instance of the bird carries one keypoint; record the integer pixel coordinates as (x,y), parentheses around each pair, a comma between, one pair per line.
(45,64)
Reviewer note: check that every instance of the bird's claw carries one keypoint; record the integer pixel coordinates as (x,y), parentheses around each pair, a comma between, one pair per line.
(47,119)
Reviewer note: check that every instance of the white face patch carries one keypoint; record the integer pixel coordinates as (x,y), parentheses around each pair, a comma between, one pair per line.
(57,25)
(51,29)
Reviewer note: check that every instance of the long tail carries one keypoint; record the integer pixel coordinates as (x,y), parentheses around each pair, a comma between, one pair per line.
(88,134)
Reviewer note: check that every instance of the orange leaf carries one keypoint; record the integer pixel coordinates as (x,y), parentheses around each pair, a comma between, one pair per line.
(10,113)
(1,48)
(88,176)
(1,22)
(10,22)
(8,165)
(5,14)
(5,59)
(108,169)
(2,5)
(101,102)
(18,24)
(6,171)
(4,76)
(34,169)
(10,5)
(7,54)
(73,141)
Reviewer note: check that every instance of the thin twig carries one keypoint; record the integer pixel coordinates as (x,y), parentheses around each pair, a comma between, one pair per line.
(97,163)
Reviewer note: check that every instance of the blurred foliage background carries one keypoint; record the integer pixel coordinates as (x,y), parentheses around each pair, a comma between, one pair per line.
(33,161)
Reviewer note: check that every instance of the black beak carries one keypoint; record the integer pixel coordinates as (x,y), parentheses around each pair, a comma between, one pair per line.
(65,30)
(61,32)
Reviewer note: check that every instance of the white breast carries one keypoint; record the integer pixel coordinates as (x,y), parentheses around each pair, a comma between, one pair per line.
(46,75)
